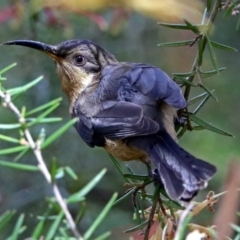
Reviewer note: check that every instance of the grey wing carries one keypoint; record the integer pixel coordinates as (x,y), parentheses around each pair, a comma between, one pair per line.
(116,120)
(155,84)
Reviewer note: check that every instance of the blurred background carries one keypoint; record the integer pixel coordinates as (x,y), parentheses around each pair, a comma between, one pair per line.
(129,30)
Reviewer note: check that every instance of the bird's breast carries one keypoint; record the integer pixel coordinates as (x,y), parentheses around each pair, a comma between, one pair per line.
(122,151)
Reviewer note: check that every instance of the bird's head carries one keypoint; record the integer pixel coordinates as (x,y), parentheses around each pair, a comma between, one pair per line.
(79,63)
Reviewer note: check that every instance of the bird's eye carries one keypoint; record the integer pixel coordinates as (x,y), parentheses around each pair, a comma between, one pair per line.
(79,60)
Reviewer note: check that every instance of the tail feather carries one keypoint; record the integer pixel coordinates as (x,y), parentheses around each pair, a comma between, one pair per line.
(182,174)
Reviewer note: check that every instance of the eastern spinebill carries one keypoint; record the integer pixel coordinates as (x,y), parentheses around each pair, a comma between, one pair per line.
(129,109)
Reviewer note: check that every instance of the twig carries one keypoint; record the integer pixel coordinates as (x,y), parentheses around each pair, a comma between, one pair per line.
(41,164)
(150,219)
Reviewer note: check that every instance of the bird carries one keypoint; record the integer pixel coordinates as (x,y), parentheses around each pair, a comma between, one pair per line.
(129,110)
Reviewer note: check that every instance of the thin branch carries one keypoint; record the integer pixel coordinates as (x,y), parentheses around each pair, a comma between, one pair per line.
(196,64)
(41,164)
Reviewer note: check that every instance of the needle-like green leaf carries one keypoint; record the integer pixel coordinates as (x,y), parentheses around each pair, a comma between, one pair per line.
(199,27)
(19,166)
(103,236)
(210,73)
(54,227)
(201,104)
(44,106)
(7,68)
(10,126)
(19,90)
(223,47)
(137,177)
(13,150)
(58,133)
(176,44)
(71,173)
(5,218)
(39,228)
(9,139)
(43,115)
(191,27)
(209,5)
(79,196)
(100,217)
(197,98)
(208,126)
(182,80)
(138,227)
(212,54)
(17,228)
(124,196)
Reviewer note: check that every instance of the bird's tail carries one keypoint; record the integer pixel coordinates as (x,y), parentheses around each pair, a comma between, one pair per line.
(182,174)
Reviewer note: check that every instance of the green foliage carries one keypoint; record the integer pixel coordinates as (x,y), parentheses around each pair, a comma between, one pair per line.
(202,32)
(51,225)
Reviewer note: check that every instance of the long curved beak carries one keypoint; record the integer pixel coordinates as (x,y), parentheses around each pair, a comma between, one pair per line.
(48,49)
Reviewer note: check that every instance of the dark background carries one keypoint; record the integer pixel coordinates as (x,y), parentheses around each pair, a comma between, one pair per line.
(132,39)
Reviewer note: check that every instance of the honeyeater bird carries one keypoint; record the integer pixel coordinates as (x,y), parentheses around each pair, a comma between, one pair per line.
(128,109)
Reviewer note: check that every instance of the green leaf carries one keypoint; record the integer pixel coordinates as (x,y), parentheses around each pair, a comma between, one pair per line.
(81,213)
(210,73)
(176,44)
(53,169)
(71,173)
(209,5)
(182,80)
(187,74)
(208,126)
(137,177)
(39,228)
(212,54)
(197,98)
(118,166)
(44,106)
(21,154)
(103,236)
(19,166)
(199,27)
(54,227)
(201,104)
(79,196)
(60,173)
(9,139)
(223,47)
(13,150)
(44,120)
(10,126)
(18,225)
(100,217)
(198,128)
(44,114)
(124,196)
(5,218)
(58,133)
(7,68)
(191,27)
(201,47)
(19,90)
(138,227)
(210,92)
(238,23)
